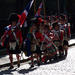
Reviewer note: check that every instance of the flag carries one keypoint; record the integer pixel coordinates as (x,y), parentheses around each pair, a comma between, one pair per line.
(25,13)
(37,14)
(25,24)
(28,49)
(39,9)
(7,27)
(22,16)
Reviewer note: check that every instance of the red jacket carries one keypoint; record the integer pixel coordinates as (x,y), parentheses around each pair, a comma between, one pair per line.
(50,36)
(11,36)
(58,35)
(38,35)
(66,30)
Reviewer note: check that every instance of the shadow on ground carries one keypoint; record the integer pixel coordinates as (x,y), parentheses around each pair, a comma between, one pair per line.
(25,71)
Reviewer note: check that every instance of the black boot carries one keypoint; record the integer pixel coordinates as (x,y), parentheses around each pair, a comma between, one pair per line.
(40,57)
(66,53)
(18,65)
(55,57)
(32,66)
(38,63)
(50,59)
(11,67)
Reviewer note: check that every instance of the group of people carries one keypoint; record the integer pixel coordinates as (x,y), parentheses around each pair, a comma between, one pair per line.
(48,38)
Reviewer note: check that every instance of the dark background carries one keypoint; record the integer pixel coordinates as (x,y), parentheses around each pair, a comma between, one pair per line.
(17,6)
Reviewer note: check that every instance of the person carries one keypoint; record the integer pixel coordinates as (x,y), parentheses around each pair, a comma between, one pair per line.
(44,42)
(67,33)
(15,39)
(48,20)
(47,45)
(58,38)
(36,38)
(41,29)
(54,19)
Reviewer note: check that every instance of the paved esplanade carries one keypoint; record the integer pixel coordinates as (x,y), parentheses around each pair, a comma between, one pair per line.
(64,67)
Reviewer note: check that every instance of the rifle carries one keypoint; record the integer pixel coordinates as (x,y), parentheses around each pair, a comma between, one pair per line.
(51,19)
(65,12)
(44,9)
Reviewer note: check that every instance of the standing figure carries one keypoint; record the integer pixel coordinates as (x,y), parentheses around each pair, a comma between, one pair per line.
(36,38)
(47,45)
(15,39)
(54,19)
(67,33)
(48,20)
(41,29)
(58,38)
(44,42)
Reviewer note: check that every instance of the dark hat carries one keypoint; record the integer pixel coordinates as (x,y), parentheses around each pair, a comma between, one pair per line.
(37,21)
(62,17)
(55,24)
(46,26)
(13,17)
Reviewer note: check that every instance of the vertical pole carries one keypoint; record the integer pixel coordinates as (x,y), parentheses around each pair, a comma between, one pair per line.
(34,7)
(51,19)
(67,19)
(44,9)
(58,7)
(64,7)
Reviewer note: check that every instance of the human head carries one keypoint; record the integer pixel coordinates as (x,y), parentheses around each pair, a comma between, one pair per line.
(46,29)
(34,26)
(56,26)
(53,19)
(48,19)
(42,25)
(62,19)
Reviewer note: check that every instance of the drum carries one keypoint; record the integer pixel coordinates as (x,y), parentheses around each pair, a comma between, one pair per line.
(51,48)
(33,47)
(48,45)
